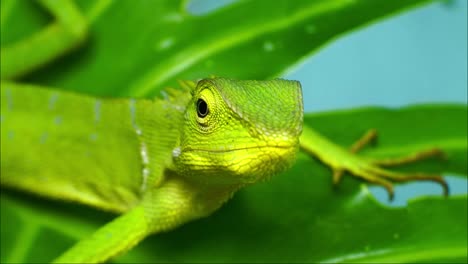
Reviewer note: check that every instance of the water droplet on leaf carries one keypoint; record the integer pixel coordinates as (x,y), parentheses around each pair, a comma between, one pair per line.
(268,46)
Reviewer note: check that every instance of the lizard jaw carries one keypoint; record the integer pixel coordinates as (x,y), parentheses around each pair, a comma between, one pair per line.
(244,165)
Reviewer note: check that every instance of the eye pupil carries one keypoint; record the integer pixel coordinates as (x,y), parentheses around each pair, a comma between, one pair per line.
(202,108)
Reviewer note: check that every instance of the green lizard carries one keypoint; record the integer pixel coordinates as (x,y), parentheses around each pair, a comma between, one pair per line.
(160,162)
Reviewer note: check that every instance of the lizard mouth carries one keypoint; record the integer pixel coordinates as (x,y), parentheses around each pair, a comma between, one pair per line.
(240,149)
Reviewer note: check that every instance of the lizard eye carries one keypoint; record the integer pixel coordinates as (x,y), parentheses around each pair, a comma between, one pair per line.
(202,108)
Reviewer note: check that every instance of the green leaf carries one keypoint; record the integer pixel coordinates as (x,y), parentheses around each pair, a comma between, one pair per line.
(297,216)
(137,48)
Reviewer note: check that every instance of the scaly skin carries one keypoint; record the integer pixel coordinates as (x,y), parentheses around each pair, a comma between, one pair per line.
(170,160)
(159,162)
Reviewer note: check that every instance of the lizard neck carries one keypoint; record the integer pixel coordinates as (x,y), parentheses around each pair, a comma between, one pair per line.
(179,200)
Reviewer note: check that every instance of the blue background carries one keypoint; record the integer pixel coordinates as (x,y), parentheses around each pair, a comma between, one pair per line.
(416,57)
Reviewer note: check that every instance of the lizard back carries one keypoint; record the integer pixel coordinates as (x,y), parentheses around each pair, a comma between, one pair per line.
(98,151)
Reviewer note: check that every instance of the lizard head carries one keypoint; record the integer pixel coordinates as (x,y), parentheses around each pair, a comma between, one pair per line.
(239,132)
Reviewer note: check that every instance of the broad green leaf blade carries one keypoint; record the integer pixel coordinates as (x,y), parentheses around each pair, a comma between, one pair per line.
(138,48)
(297,216)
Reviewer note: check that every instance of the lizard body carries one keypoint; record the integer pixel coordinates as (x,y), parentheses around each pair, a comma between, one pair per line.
(171,160)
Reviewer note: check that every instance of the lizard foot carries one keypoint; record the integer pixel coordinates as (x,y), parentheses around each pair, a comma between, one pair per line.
(374,171)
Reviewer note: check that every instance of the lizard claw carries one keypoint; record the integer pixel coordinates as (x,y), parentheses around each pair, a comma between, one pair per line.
(372,170)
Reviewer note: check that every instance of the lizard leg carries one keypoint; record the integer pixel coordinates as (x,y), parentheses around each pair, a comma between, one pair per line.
(366,139)
(341,160)
(161,209)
